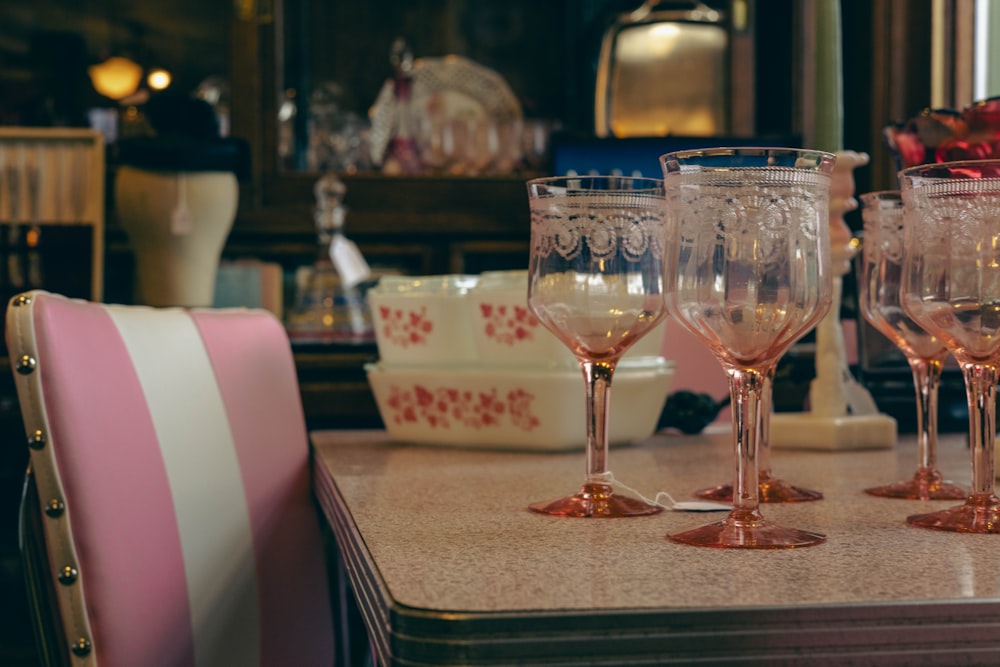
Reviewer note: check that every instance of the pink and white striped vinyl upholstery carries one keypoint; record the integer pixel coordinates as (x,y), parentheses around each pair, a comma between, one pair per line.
(176,441)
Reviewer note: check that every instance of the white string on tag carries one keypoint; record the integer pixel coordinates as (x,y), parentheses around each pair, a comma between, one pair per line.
(348,261)
(665,500)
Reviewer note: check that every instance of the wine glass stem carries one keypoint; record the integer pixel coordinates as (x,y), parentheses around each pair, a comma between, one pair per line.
(981,388)
(747,387)
(598,382)
(926,380)
(764,444)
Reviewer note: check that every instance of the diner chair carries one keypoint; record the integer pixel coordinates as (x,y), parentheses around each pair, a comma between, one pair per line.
(167,517)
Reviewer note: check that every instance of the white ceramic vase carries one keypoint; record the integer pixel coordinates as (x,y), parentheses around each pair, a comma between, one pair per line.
(177,224)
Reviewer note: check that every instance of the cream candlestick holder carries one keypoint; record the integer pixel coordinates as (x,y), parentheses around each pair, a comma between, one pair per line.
(842,414)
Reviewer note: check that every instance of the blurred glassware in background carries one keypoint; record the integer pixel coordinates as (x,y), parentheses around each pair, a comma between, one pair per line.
(338,138)
(402,153)
(215,91)
(443,116)
(508,156)
(946,135)
(288,111)
(464,118)
(478,146)
(536,143)
(328,306)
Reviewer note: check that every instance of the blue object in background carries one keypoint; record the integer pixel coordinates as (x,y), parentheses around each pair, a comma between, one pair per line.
(639,156)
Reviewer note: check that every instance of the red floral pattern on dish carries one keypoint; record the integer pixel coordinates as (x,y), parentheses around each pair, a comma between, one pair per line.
(444,407)
(405,327)
(508,325)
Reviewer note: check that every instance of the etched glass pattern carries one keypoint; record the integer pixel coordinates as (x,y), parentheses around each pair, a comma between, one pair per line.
(752,258)
(954,279)
(883,221)
(598,227)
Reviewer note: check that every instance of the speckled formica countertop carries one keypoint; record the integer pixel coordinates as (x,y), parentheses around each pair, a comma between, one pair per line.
(451,568)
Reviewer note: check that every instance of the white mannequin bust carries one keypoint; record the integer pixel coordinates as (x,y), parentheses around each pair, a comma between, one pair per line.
(177,224)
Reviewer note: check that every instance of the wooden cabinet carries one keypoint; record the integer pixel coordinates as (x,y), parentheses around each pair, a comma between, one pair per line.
(421,225)
(335,392)
(51,210)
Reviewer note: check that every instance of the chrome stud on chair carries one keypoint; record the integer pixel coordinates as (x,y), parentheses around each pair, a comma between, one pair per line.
(26,364)
(68,575)
(55,508)
(81,647)
(37,439)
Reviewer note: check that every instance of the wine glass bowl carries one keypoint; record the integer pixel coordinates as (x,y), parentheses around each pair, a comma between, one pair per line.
(879,299)
(951,288)
(595,280)
(749,273)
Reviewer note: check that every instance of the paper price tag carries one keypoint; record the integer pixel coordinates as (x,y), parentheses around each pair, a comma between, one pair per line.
(348,261)
(181,223)
(700,506)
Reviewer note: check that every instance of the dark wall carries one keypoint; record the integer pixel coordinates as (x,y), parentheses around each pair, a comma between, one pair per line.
(46,46)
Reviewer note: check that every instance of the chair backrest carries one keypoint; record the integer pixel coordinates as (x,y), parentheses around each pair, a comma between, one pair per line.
(171,460)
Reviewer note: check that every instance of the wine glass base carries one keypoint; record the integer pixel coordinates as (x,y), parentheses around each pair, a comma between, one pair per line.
(596,501)
(927,484)
(979,514)
(769,490)
(736,533)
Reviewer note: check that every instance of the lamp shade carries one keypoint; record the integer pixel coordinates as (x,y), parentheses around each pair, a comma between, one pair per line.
(117,77)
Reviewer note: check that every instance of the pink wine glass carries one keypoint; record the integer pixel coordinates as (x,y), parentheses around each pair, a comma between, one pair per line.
(882,269)
(749,274)
(951,288)
(595,280)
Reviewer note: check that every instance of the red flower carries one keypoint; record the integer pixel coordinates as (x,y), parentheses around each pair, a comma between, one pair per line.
(906,147)
(984,116)
(946,135)
(959,149)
